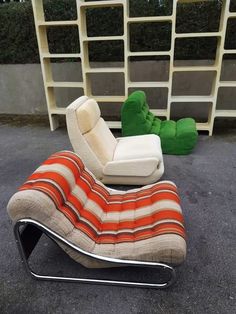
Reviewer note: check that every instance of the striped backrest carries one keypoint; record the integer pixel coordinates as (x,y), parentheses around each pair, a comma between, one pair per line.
(107,216)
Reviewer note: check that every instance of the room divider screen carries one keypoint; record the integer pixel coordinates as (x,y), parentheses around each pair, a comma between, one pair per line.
(215,69)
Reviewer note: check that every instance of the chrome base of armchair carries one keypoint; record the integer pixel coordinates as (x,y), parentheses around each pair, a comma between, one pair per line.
(28,232)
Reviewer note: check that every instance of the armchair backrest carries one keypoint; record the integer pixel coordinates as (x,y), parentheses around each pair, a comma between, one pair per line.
(89,134)
(136,118)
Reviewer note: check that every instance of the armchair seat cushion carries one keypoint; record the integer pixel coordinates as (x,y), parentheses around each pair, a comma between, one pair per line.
(137,156)
(135,147)
(177,138)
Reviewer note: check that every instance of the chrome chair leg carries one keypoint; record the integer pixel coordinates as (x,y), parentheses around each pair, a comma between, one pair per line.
(28,232)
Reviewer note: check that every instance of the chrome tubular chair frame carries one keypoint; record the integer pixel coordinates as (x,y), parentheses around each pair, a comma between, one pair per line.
(28,232)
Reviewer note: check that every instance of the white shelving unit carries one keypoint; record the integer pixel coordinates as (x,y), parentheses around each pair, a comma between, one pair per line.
(49,84)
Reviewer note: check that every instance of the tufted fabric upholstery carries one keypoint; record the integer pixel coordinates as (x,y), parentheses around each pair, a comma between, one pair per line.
(177,138)
(142,224)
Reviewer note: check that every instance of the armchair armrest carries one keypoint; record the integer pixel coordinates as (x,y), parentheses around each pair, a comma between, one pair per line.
(132,167)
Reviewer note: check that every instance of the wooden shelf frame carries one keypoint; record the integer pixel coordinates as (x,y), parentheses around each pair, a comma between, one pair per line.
(49,84)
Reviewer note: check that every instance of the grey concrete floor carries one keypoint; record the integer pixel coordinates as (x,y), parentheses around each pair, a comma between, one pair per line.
(206,282)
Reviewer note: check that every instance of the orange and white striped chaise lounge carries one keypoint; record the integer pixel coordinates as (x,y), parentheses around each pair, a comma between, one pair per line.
(98,226)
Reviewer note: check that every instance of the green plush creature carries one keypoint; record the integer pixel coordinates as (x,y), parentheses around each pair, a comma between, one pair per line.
(177,138)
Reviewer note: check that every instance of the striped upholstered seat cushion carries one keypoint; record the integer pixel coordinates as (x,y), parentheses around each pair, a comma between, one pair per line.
(145,223)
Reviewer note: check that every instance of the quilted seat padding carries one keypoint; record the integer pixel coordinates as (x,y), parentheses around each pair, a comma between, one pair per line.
(177,138)
(140,224)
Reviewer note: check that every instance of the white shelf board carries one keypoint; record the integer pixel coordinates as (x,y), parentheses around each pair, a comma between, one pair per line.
(229,51)
(232,14)
(159,112)
(225,113)
(109,98)
(194,68)
(148,19)
(101,4)
(227,83)
(205,126)
(191,1)
(57,23)
(148,53)
(105,70)
(102,38)
(64,84)
(60,55)
(58,111)
(192,99)
(147,84)
(114,124)
(192,35)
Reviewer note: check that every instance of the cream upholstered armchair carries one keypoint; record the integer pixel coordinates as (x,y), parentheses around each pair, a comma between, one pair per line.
(135,160)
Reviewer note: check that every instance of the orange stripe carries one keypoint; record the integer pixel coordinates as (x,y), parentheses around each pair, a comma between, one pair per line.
(65,162)
(52,176)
